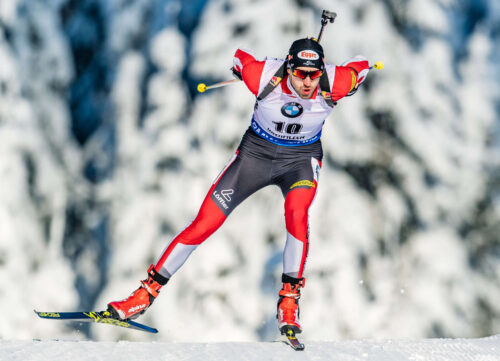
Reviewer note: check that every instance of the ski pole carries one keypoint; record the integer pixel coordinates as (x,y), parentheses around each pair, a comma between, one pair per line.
(203,87)
(326,17)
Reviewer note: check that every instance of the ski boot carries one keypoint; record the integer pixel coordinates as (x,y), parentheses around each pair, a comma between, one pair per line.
(140,300)
(288,305)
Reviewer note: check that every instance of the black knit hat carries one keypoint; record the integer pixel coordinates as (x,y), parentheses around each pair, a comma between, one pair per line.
(306,52)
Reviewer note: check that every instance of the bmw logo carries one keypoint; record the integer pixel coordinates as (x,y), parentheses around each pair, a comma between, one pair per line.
(292,110)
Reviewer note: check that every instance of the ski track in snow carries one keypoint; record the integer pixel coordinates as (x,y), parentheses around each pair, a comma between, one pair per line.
(483,349)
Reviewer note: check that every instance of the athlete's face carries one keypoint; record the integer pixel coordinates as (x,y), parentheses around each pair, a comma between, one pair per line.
(304,87)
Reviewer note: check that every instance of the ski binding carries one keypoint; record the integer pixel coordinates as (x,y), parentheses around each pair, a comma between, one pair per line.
(289,337)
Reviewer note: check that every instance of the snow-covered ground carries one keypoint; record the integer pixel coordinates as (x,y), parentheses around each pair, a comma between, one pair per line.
(106,153)
(483,349)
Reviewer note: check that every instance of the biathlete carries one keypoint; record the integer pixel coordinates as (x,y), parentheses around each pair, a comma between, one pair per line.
(282,146)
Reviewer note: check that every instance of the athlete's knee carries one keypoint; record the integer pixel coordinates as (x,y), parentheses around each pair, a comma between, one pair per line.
(296,216)
(198,231)
(208,220)
(297,204)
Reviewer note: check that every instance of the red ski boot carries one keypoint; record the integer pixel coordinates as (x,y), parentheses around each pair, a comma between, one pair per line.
(288,304)
(139,301)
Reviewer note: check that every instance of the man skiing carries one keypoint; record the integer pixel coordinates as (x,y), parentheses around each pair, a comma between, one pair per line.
(281,147)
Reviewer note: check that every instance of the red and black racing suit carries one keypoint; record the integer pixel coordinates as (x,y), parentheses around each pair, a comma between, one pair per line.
(281,147)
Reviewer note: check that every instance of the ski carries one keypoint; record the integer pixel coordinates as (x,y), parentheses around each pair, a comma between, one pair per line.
(290,338)
(97,317)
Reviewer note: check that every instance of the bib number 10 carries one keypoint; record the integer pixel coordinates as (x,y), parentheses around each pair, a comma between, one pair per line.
(290,128)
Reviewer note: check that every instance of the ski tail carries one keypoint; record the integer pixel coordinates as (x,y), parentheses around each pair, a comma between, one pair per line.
(96,317)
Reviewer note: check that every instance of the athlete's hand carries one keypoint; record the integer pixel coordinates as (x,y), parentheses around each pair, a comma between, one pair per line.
(236,73)
(352,92)
(237,67)
(360,78)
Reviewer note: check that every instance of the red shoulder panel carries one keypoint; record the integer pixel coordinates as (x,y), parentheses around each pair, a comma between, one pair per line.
(250,69)
(345,80)
(251,75)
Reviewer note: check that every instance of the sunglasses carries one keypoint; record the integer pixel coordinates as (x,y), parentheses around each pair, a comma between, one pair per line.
(302,74)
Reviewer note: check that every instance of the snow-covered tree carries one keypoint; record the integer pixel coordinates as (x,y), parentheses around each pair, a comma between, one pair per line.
(108,153)
(39,167)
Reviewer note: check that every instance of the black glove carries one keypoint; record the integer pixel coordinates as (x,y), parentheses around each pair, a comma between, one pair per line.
(352,92)
(236,73)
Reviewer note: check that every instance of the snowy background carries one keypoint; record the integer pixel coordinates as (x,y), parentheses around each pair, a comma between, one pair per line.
(106,152)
